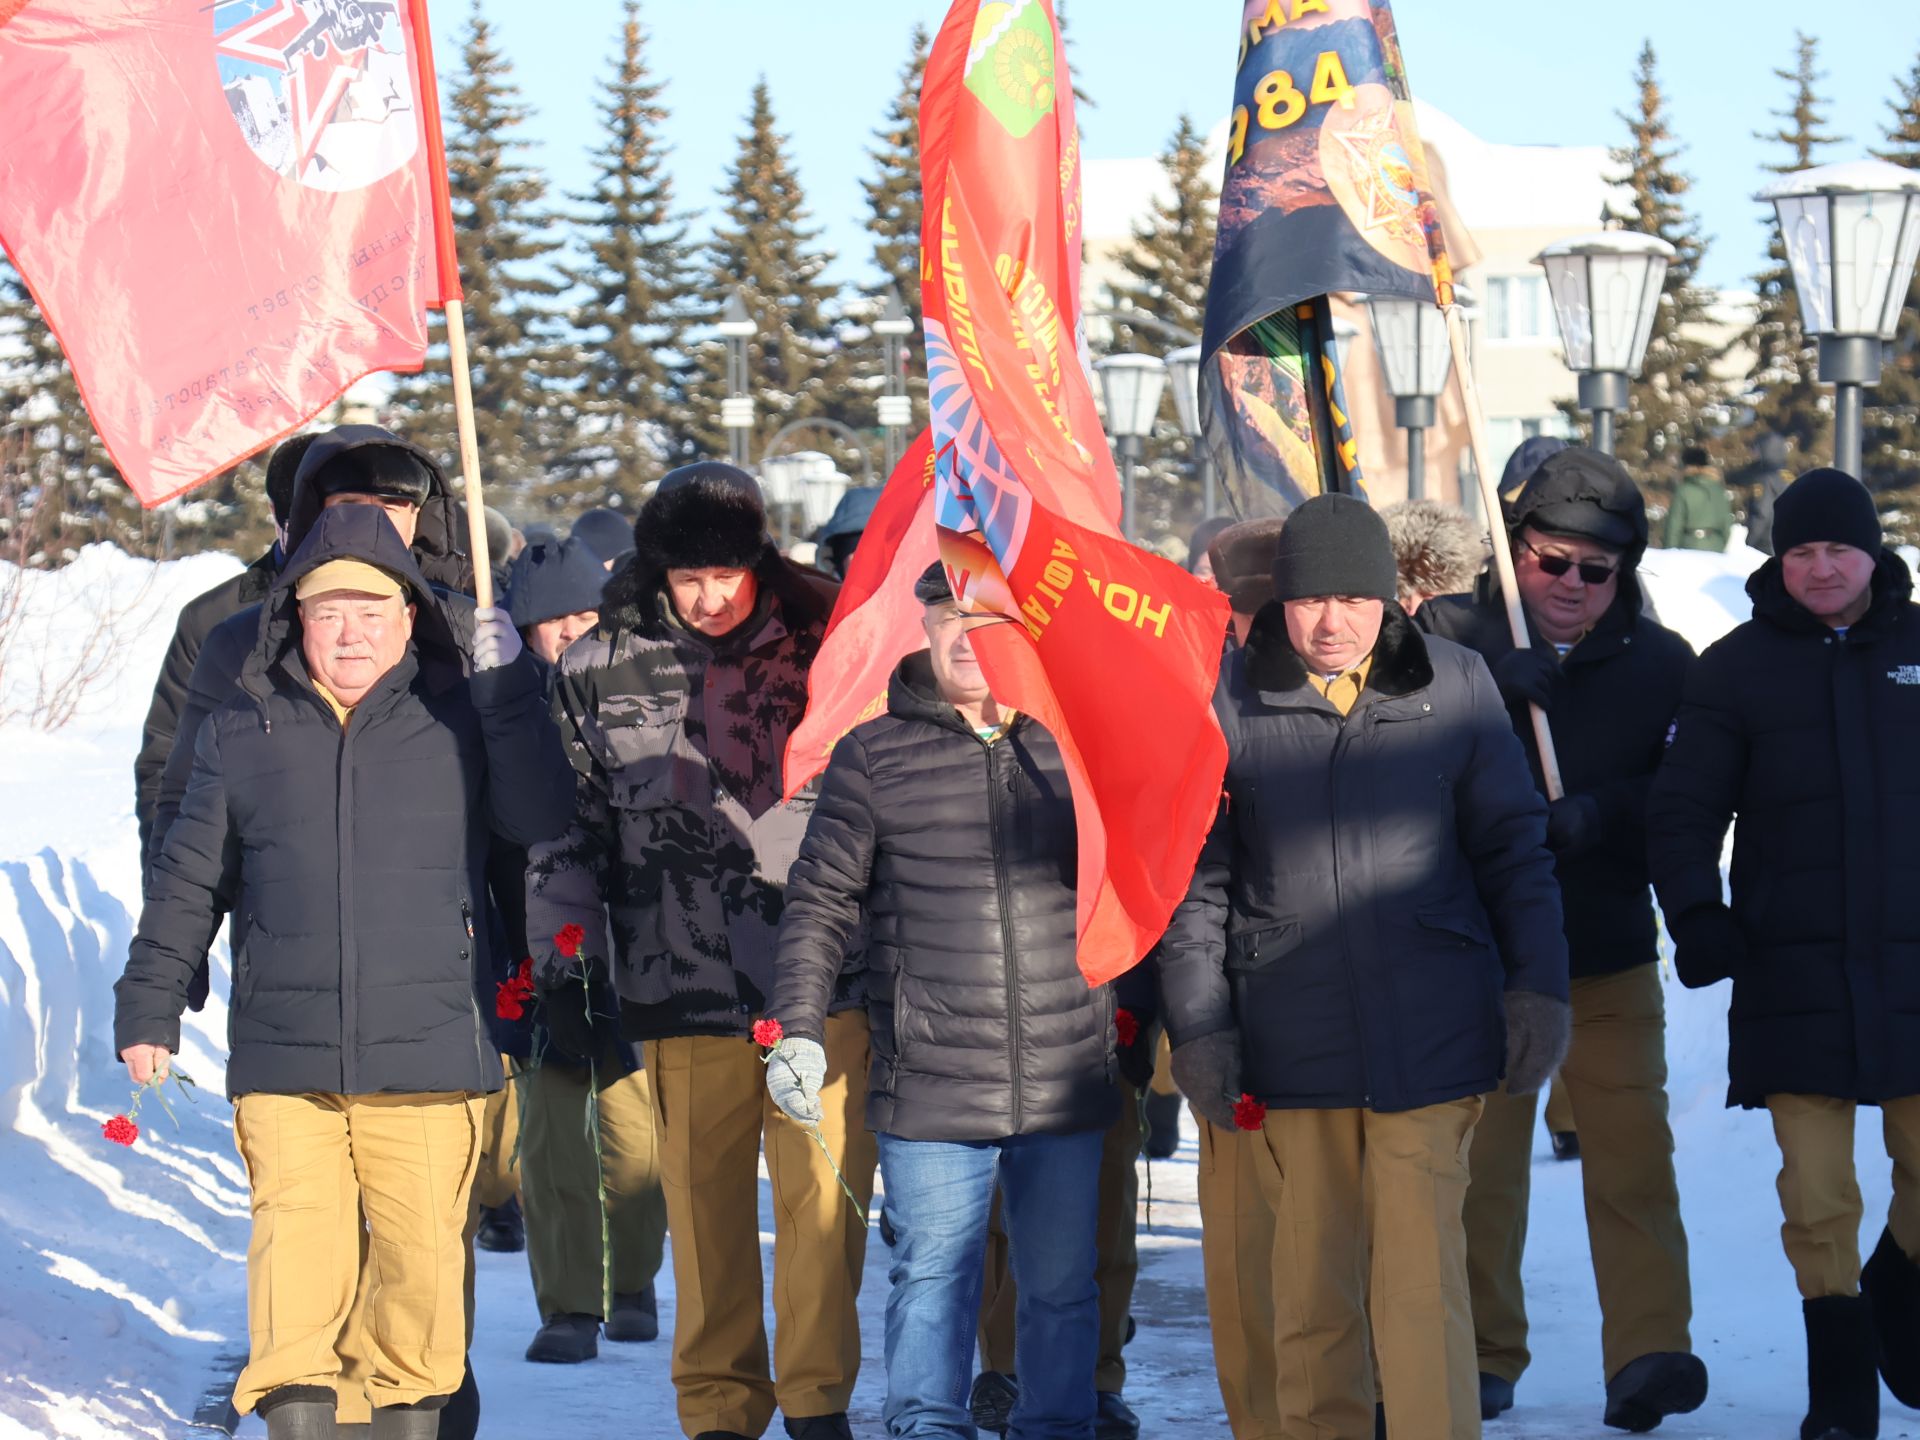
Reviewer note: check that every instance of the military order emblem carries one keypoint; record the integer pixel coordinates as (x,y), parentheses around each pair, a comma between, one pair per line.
(321,89)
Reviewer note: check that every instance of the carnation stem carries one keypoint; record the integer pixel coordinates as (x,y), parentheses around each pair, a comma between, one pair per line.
(821,1141)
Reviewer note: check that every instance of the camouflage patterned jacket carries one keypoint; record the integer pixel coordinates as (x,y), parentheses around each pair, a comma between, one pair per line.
(680,842)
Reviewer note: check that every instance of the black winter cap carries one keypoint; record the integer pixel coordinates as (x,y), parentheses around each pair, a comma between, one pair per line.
(1334,545)
(606,532)
(1826,505)
(375,469)
(701,516)
(932,587)
(548,581)
(1582,493)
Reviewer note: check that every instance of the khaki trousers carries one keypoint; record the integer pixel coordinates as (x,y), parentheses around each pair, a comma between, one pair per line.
(711,1113)
(1116,1267)
(1616,1077)
(1236,1256)
(499,1177)
(1820,1196)
(561,1187)
(1366,1213)
(314,1164)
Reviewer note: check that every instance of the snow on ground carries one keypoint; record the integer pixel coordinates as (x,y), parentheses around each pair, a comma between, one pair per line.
(121,1271)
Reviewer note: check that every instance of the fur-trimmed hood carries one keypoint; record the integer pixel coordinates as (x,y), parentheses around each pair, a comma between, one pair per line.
(1400,661)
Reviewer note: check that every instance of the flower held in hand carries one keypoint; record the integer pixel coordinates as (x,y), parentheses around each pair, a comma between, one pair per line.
(1249,1113)
(768,1032)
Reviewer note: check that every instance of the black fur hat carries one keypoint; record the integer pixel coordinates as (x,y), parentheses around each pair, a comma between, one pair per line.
(701,515)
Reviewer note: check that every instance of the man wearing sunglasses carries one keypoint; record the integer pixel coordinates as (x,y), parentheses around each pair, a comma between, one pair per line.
(1609,677)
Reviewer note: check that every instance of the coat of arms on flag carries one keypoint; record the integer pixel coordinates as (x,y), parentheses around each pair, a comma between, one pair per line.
(321,89)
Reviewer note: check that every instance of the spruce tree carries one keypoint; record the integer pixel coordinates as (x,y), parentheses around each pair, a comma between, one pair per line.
(1166,269)
(764,248)
(637,287)
(1787,395)
(1675,386)
(501,236)
(1890,451)
(894,206)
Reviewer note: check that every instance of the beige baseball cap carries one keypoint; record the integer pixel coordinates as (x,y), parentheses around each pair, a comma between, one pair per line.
(347,574)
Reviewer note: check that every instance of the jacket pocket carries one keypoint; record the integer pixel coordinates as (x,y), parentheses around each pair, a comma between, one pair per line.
(1256,949)
(1466,930)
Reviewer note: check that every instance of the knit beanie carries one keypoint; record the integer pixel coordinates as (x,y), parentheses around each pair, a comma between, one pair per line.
(551,580)
(1334,545)
(607,533)
(1826,505)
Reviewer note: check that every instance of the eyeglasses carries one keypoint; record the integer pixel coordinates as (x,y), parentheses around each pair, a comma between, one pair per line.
(1592,572)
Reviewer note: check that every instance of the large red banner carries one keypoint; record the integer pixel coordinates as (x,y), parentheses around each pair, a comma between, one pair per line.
(1115,650)
(225,211)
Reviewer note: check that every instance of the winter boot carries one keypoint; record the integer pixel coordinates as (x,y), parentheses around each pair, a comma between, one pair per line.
(1496,1396)
(299,1412)
(634,1317)
(819,1427)
(407,1422)
(566,1340)
(1566,1144)
(1649,1389)
(1163,1124)
(1113,1418)
(1380,1421)
(502,1227)
(460,1416)
(1843,1380)
(993,1400)
(1891,1283)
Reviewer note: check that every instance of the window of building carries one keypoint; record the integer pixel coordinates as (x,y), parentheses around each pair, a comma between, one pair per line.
(1518,308)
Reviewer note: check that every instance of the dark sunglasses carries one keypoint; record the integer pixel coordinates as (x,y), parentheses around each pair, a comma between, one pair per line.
(1592,572)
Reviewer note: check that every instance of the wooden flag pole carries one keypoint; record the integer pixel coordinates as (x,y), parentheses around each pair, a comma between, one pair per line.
(1497,529)
(469,454)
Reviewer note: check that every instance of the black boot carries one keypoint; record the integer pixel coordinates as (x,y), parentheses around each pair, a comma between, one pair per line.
(1891,1283)
(566,1340)
(993,1400)
(1163,1124)
(502,1227)
(460,1416)
(634,1317)
(820,1427)
(1113,1418)
(299,1412)
(1496,1396)
(1566,1145)
(1649,1389)
(1843,1381)
(408,1422)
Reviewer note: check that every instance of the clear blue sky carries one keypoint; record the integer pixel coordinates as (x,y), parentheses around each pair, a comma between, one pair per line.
(1522,73)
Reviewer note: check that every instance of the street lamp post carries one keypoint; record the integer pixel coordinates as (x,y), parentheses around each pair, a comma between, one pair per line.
(1415,358)
(894,406)
(1852,233)
(1606,291)
(1130,387)
(736,327)
(1183,374)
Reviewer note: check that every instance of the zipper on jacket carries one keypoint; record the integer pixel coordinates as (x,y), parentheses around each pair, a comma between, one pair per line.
(349,958)
(1008,967)
(1340,742)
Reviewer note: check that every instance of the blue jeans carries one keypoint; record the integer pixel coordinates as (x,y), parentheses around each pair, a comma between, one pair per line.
(938,1197)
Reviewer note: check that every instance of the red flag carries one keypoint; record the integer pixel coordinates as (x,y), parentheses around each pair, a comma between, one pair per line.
(875,621)
(225,211)
(1115,651)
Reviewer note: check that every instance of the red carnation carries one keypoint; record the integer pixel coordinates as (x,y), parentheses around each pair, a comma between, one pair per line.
(120,1130)
(768,1032)
(569,939)
(1249,1113)
(1126,1025)
(512,996)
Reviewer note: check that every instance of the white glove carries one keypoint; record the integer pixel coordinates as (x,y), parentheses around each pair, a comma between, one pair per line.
(796,1069)
(495,641)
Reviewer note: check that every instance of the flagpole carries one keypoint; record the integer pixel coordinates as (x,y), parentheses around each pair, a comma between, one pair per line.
(1496,527)
(469,453)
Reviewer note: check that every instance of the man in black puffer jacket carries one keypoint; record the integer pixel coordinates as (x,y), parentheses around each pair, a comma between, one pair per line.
(1802,723)
(1609,676)
(342,805)
(1371,940)
(949,825)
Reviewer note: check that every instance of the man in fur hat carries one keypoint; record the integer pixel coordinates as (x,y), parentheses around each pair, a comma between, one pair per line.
(676,708)
(1609,677)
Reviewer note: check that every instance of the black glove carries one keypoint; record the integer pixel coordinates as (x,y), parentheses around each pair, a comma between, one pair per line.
(1538,1028)
(569,1026)
(1708,945)
(1573,825)
(1207,1071)
(1528,677)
